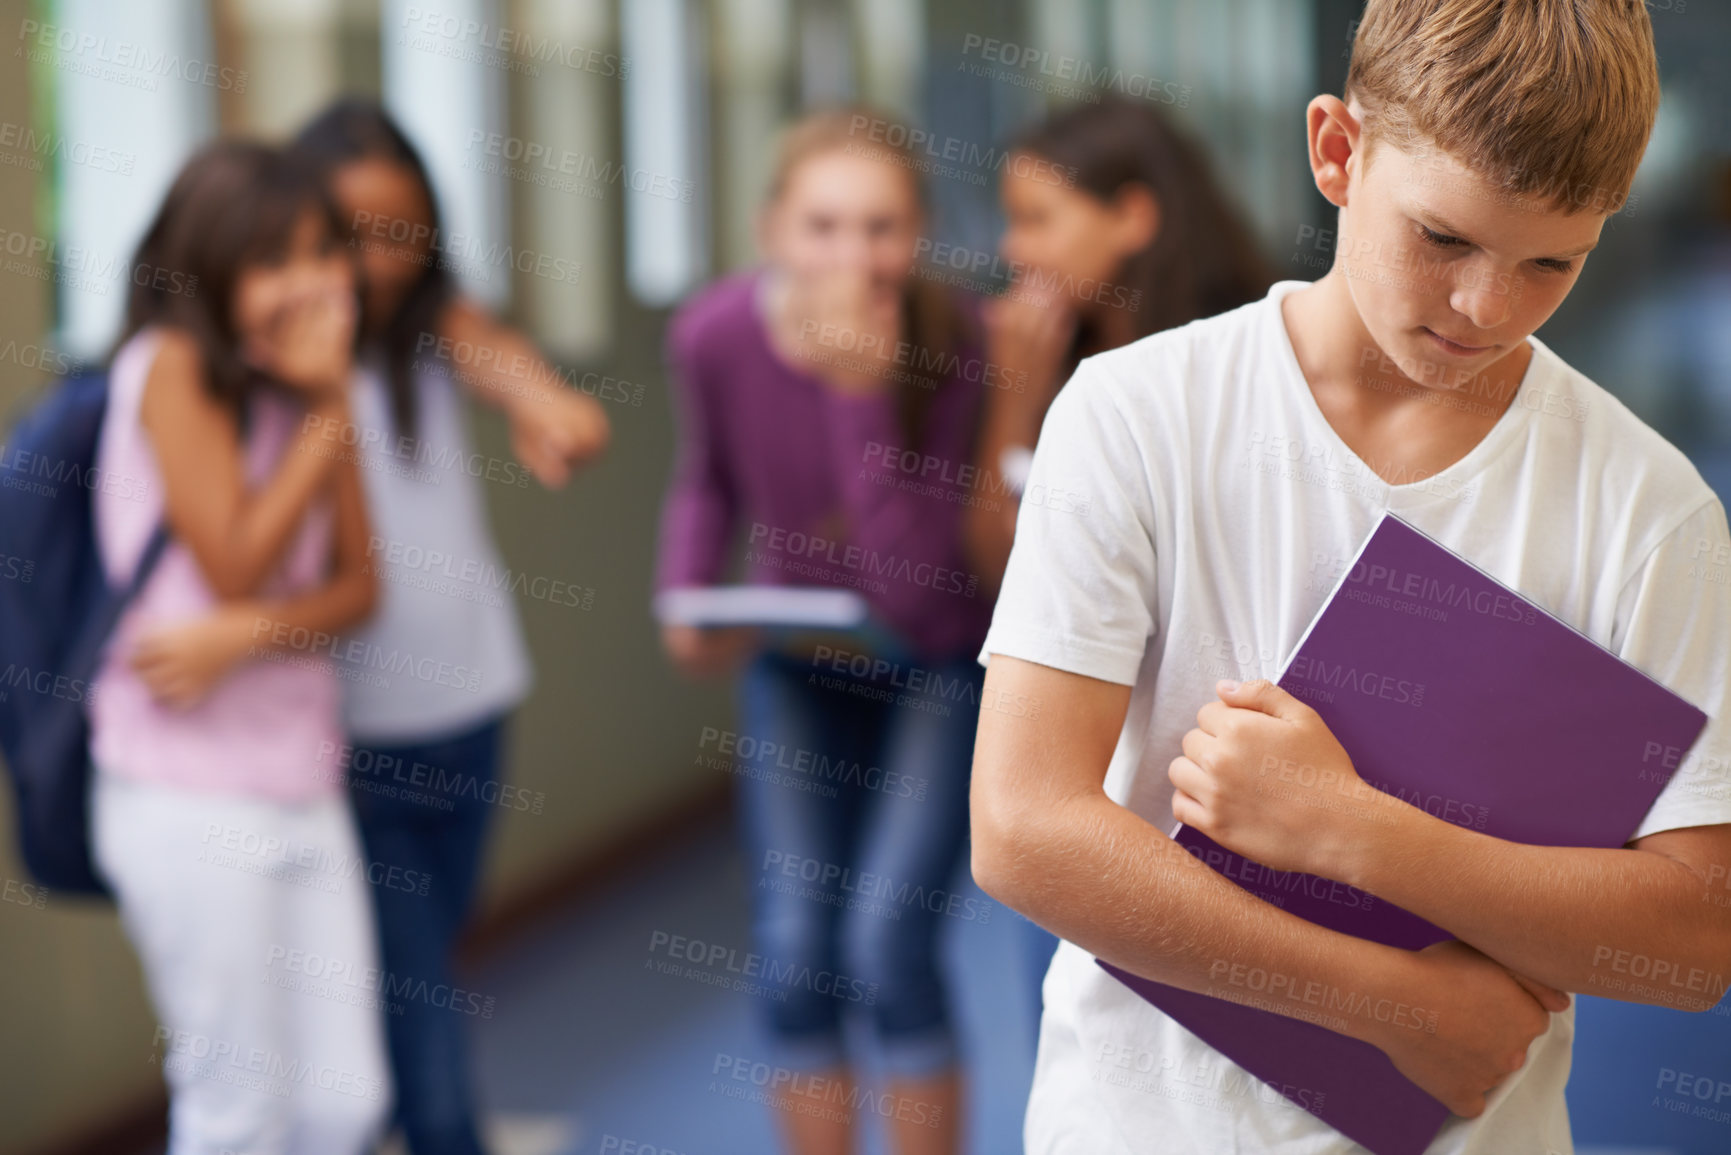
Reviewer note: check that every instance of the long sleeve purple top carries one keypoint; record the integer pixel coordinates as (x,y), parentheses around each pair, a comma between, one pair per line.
(822,484)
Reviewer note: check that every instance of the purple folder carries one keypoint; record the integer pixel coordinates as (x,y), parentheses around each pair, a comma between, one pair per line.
(1457,694)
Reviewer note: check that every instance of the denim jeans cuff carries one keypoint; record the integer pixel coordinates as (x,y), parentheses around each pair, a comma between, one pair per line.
(918,1055)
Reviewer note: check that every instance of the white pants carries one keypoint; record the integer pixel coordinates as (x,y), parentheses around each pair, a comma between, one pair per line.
(254,923)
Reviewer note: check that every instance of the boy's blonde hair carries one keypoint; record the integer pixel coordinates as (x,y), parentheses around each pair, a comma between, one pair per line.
(1550,99)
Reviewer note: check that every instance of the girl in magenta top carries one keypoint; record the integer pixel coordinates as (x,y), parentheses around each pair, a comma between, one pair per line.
(828,403)
(822,482)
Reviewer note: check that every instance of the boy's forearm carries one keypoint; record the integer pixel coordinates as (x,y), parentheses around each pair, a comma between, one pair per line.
(1103,878)
(1625,924)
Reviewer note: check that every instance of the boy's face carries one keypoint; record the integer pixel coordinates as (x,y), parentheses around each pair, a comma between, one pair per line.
(1448,273)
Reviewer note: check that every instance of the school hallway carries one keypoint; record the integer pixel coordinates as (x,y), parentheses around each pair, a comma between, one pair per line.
(592,1049)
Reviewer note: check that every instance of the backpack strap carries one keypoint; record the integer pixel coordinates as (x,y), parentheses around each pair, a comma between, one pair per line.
(85,654)
(152,554)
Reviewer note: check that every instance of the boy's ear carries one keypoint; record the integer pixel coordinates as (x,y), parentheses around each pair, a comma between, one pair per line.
(1336,137)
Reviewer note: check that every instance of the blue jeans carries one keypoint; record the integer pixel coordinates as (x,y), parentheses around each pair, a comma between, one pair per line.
(423,808)
(854,823)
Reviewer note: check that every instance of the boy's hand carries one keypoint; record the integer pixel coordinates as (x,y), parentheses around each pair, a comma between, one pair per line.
(181,664)
(555,431)
(1262,776)
(1470,1026)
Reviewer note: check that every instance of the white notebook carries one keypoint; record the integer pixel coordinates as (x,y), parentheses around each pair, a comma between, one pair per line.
(800,607)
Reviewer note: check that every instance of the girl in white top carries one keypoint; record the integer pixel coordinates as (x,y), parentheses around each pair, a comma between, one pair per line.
(444,661)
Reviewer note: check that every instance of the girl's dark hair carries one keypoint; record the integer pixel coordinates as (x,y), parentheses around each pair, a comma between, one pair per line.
(356,129)
(235,203)
(1205,259)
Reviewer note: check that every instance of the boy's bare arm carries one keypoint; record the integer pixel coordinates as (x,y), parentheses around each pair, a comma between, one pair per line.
(1048,842)
(1637,923)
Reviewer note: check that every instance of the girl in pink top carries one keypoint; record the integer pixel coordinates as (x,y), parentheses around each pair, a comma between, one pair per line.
(218,818)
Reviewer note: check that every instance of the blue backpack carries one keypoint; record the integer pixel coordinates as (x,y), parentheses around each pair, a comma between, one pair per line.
(56,612)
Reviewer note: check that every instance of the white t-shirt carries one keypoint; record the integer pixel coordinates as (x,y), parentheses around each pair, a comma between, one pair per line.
(444,651)
(1194,509)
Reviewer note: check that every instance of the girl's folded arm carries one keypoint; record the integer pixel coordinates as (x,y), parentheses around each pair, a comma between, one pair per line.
(236,533)
(349,595)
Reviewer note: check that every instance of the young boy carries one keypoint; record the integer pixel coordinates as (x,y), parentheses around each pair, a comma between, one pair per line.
(1216,480)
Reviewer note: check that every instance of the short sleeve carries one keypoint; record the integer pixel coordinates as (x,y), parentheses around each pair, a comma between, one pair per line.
(1675,618)
(1079,591)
